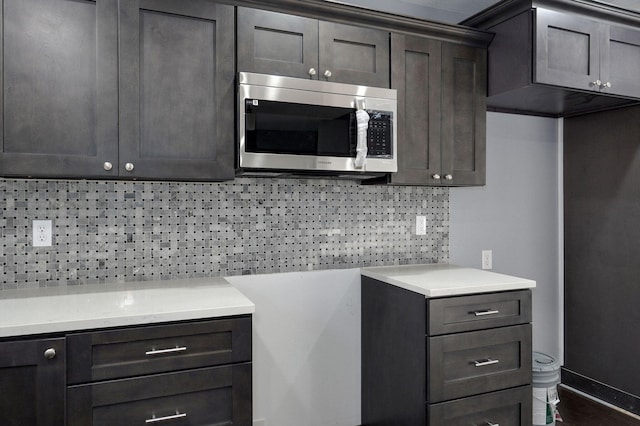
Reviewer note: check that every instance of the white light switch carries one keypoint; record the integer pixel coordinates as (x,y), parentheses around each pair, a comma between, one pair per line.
(421,225)
(42,233)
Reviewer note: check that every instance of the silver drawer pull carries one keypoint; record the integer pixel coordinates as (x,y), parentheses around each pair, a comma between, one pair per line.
(166,351)
(492,424)
(485,362)
(165,418)
(486,312)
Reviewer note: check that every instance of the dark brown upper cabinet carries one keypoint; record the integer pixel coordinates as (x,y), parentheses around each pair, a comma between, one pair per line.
(441,112)
(176,90)
(107,89)
(59,107)
(295,46)
(561,58)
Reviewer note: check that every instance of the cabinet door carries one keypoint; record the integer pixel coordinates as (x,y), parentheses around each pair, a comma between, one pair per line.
(32,385)
(464,116)
(176,90)
(621,62)
(59,108)
(415,74)
(354,55)
(277,44)
(567,51)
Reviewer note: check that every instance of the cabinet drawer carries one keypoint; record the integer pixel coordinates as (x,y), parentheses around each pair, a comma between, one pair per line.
(468,364)
(137,351)
(206,396)
(478,312)
(511,407)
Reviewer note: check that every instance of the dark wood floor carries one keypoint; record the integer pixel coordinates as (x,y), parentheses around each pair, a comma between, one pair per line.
(577,410)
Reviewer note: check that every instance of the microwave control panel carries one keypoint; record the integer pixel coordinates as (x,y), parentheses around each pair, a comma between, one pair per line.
(379,139)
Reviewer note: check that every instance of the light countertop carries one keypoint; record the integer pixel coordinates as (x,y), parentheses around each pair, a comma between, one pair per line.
(62,309)
(442,279)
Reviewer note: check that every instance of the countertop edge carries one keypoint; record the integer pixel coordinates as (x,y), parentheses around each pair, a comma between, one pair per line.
(515,283)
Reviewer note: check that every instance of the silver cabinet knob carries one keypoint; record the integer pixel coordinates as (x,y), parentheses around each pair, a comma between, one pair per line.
(128,167)
(606,85)
(312,72)
(107,166)
(448,177)
(596,83)
(435,176)
(50,353)
(327,74)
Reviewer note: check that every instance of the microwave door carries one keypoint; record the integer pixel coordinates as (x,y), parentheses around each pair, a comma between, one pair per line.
(273,127)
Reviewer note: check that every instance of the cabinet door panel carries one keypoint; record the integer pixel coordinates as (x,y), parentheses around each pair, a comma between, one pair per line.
(416,67)
(176,90)
(276,43)
(354,55)
(32,386)
(60,87)
(464,94)
(567,50)
(620,62)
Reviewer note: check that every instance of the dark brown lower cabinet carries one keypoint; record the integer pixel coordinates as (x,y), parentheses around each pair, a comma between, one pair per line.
(206,396)
(192,373)
(32,382)
(459,360)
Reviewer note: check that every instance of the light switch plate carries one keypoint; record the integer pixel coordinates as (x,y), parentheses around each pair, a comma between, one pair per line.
(487,259)
(42,233)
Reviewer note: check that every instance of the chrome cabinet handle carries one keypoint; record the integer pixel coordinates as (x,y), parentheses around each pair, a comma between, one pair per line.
(435,176)
(327,74)
(166,351)
(312,72)
(448,177)
(165,418)
(486,312)
(596,83)
(128,167)
(485,362)
(606,85)
(50,353)
(107,166)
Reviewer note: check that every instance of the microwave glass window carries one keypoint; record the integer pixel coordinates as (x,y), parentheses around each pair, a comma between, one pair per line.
(299,129)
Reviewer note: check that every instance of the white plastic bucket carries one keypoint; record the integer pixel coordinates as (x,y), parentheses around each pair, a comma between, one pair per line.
(545,378)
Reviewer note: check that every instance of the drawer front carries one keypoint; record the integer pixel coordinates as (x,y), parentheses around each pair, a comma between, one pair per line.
(207,396)
(138,351)
(478,312)
(472,363)
(510,407)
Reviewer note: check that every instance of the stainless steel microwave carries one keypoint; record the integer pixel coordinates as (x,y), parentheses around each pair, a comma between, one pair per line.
(297,126)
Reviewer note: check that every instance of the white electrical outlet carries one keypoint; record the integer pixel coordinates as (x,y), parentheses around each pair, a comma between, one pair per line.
(42,233)
(487,259)
(421,225)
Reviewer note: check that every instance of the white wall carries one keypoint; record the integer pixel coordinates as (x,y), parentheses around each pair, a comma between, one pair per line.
(306,347)
(517,215)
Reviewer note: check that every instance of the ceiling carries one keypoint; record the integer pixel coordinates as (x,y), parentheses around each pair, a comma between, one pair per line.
(450,11)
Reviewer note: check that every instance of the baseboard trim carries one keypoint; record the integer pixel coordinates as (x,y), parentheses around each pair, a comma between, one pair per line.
(601,391)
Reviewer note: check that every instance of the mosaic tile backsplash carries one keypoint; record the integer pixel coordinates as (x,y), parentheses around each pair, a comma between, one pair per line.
(113,231)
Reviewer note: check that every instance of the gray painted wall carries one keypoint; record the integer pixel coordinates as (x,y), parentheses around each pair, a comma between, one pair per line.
(517,215)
